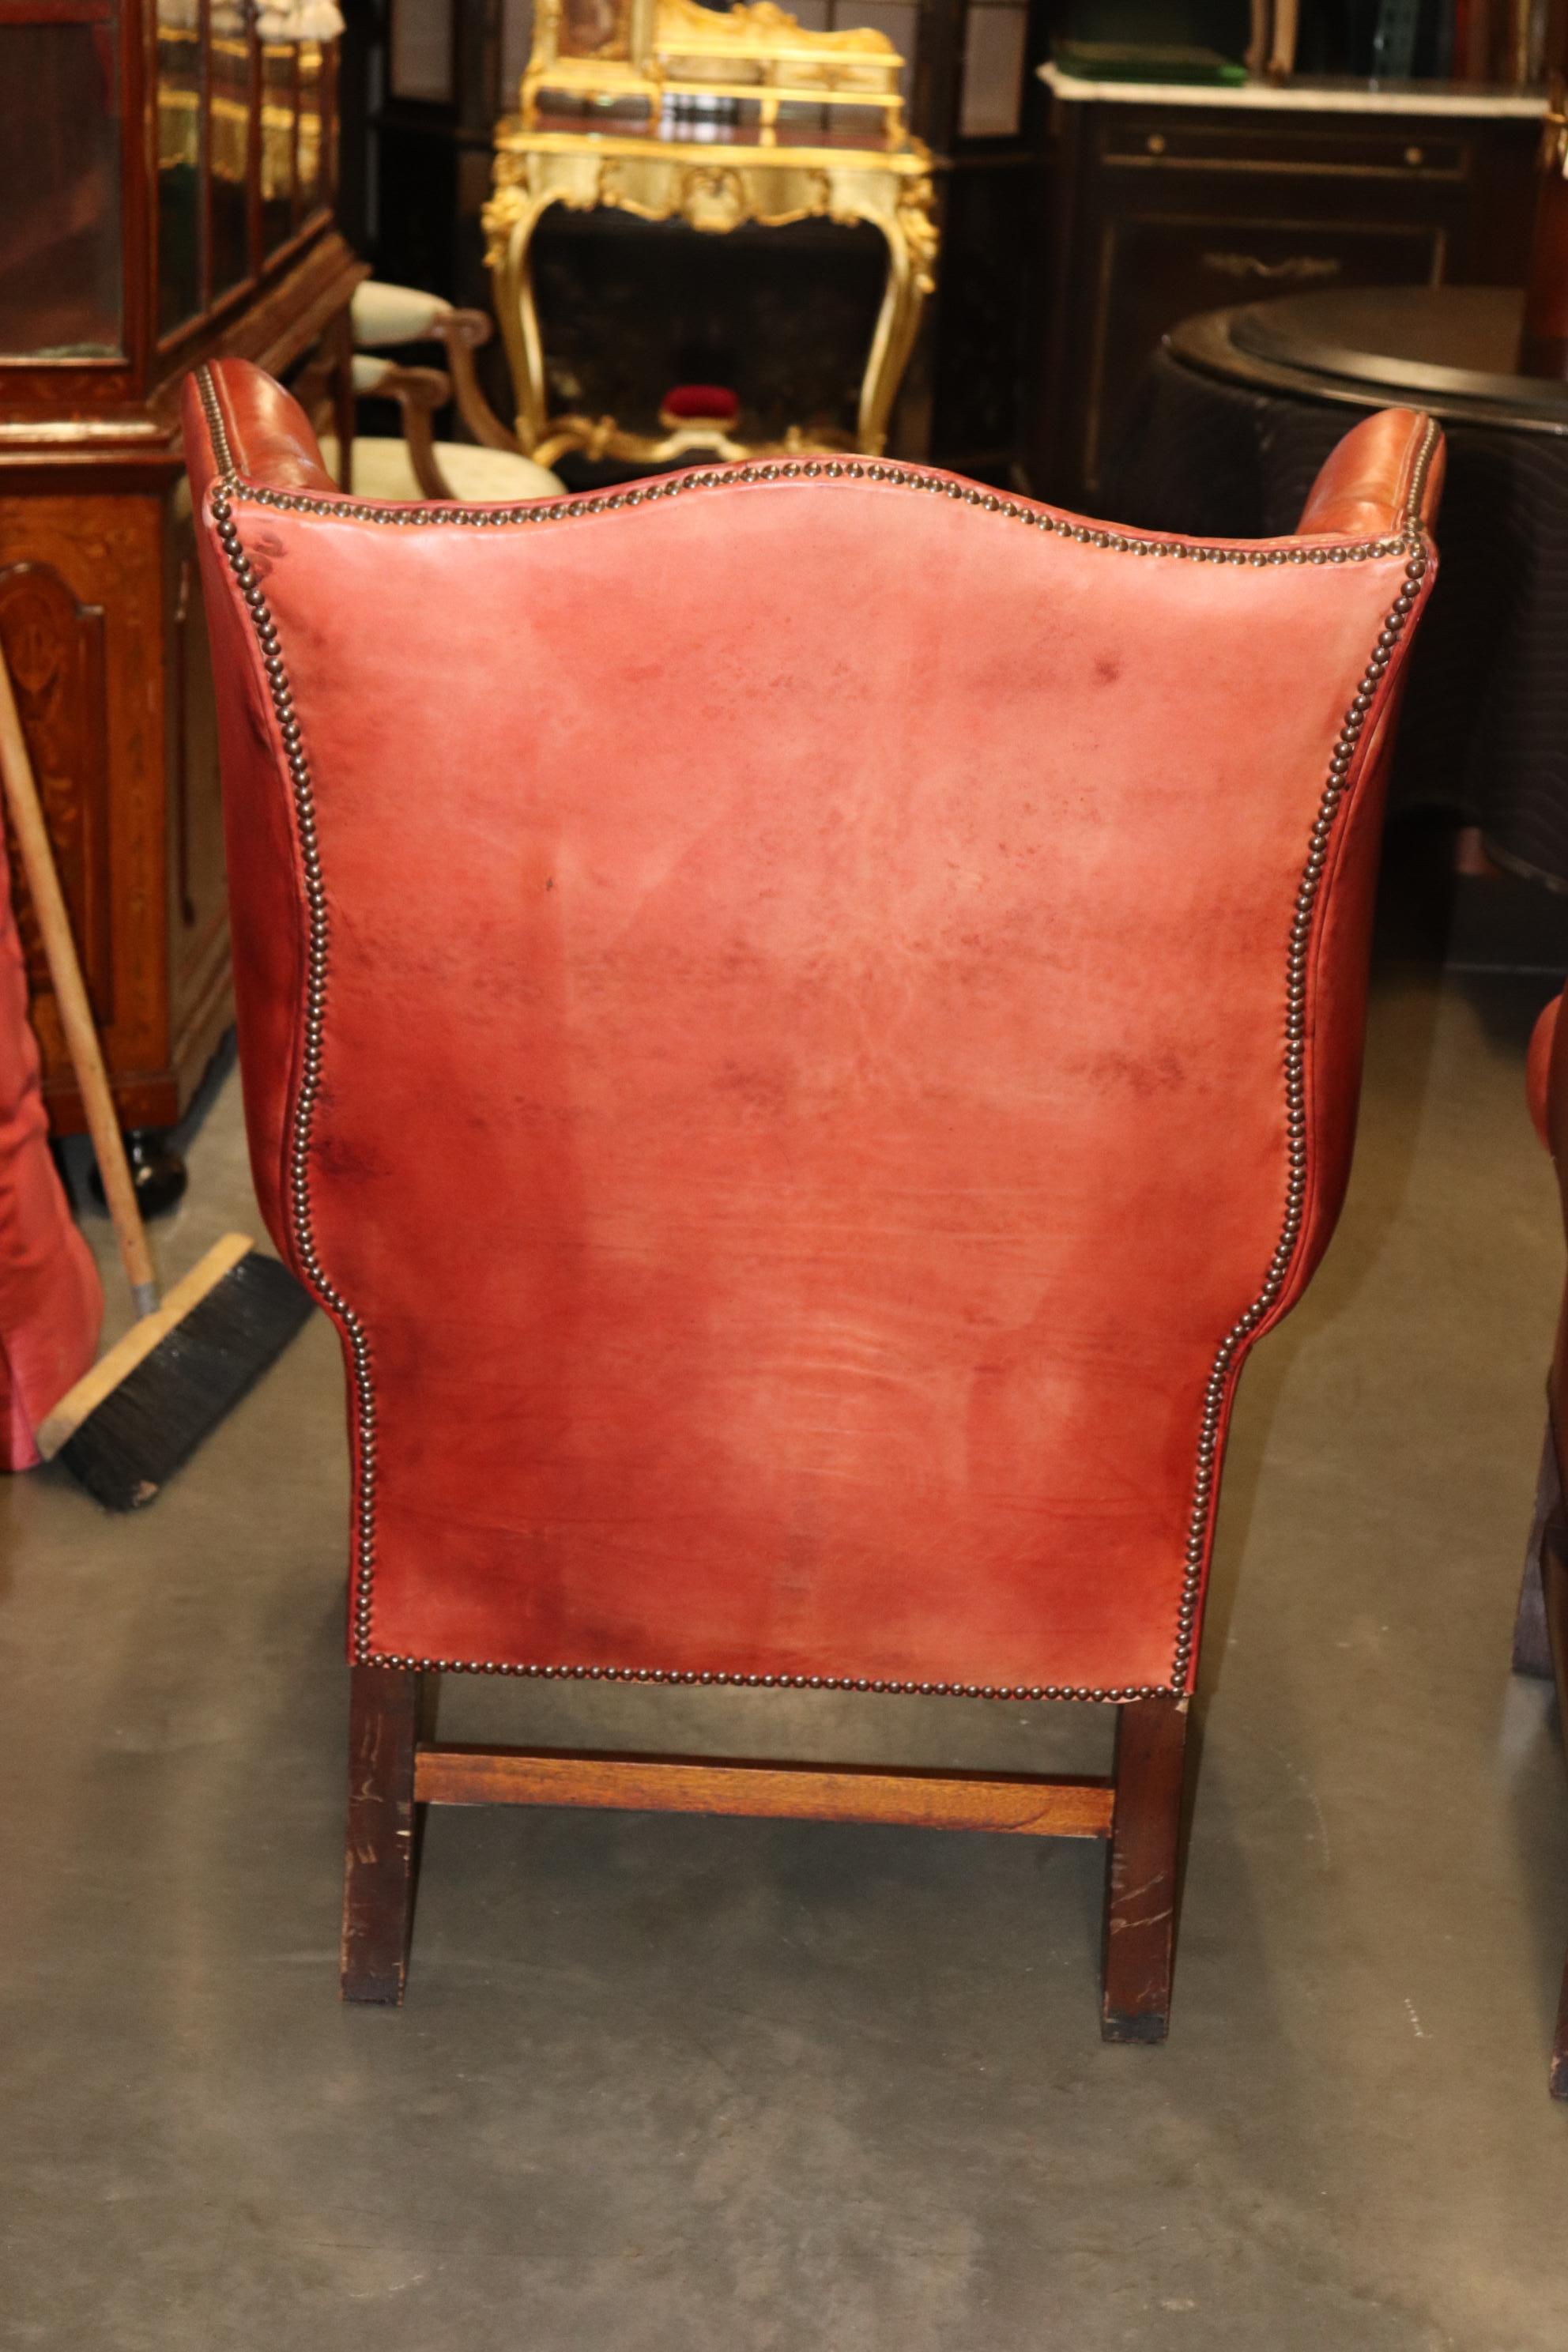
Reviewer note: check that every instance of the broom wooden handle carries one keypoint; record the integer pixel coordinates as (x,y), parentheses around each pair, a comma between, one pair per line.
(70,996)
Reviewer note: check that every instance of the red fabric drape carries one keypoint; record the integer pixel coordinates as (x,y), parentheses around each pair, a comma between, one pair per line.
(51,1303)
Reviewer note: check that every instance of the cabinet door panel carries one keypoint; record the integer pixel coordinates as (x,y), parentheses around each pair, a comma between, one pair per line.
(55,648)
(199,914)
(82,622)
(1153,272)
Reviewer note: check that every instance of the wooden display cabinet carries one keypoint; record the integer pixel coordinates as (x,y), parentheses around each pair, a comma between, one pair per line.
(165,197)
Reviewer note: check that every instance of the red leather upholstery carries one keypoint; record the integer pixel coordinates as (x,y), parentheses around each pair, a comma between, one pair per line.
(1370,475)
(269,434)
(801,1114)
(51,1304)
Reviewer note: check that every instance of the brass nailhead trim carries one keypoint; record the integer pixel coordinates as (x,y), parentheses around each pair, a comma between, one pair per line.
(299,1141)
(1410,544)
(673,1675)
(1228,1356)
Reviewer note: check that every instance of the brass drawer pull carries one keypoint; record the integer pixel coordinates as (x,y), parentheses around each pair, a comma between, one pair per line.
(1295,264)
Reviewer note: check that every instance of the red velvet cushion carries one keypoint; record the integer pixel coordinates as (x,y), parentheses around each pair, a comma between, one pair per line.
(701,403)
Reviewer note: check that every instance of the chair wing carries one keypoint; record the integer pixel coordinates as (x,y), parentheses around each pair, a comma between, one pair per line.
(801,1019)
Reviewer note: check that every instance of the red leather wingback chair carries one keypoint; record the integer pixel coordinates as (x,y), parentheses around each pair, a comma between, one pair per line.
(1540,1639)
(876,970)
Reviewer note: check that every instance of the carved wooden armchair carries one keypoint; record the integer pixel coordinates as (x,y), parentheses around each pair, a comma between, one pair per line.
(414,464)
(884,1045)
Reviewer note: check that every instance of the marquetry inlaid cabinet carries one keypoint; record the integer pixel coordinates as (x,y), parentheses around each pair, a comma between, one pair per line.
(165,196)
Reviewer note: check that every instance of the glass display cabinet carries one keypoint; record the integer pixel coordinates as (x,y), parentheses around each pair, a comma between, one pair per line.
(166,192)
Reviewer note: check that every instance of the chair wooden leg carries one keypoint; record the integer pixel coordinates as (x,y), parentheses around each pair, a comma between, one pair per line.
(1141,1879)
(381,1856)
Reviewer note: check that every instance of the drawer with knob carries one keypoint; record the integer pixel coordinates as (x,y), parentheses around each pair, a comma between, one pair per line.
(1170,143)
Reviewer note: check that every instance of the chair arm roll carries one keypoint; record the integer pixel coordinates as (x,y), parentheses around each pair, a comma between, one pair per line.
(1372,485)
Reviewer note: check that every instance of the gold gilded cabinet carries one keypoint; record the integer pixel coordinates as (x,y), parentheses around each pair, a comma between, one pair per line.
(714,186)
(772,144)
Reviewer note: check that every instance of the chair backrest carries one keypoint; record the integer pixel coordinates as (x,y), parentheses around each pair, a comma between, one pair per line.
(801,1018)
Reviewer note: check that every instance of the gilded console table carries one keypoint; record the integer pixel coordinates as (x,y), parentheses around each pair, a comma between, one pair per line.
(760,174)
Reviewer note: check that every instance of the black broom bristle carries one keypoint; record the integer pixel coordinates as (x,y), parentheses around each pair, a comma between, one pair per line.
(132,1442)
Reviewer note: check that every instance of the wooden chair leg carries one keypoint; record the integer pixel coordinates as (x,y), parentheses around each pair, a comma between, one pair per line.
(1141,1879)
(381,1856)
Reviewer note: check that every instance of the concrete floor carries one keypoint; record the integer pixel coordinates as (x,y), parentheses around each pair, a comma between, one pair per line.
(668,2085)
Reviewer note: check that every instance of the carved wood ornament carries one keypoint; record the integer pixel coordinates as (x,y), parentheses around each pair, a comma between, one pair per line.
(55,649)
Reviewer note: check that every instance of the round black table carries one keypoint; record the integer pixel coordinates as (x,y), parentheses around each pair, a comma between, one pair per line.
(1238,410)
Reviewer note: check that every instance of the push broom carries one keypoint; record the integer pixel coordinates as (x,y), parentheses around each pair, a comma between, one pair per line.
(126,1427)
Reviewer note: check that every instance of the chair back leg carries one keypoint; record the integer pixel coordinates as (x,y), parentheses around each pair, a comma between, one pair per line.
(1142,1874)
(381,1859)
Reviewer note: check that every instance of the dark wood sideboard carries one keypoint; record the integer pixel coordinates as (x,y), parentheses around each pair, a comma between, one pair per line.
(1165,201)
(169,200)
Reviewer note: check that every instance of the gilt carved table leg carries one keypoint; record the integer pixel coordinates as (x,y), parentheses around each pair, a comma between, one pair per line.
(910,229)
(512,218)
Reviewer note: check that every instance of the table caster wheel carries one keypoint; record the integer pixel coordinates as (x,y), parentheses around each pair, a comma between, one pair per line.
(157,1171)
